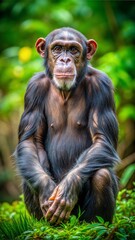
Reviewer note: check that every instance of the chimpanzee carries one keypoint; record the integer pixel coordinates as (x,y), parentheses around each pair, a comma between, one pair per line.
(68,133)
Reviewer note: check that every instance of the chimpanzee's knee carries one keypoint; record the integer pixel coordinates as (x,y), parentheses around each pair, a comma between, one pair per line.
(98,197)
(101,179)
(105,189)
(105,179)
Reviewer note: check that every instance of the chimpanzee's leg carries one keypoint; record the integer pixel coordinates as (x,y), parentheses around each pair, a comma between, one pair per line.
(32,202)
(98,196)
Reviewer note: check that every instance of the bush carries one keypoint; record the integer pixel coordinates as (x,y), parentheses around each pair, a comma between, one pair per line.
(16,224)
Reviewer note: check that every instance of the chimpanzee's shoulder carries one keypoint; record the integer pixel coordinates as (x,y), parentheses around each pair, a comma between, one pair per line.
(39,80)
(38,76)
(97,78)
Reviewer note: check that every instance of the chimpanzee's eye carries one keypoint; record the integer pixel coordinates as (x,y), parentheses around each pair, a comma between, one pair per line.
(74,50)
(57,48)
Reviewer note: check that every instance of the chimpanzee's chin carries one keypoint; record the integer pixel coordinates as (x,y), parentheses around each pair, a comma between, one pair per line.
(64,84)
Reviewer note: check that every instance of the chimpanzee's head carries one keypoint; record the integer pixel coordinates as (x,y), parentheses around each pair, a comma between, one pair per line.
(66,53)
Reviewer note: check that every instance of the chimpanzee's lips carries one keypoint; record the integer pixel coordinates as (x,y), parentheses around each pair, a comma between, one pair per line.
(63,75)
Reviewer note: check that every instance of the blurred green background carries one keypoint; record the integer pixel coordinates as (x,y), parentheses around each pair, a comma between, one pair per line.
(110,23)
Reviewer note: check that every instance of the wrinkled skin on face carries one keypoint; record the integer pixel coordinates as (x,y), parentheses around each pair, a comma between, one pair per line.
(67,57)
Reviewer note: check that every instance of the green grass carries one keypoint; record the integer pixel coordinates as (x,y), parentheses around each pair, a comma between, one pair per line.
(16,224)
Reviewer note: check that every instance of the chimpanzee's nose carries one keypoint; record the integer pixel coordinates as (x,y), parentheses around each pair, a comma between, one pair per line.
(65,60)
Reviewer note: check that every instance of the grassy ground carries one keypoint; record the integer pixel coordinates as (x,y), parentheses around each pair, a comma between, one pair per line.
(16,224)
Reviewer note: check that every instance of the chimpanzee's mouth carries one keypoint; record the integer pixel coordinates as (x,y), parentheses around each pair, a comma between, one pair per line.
(63,75)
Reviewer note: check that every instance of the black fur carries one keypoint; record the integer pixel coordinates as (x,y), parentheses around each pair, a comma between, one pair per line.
(69,150)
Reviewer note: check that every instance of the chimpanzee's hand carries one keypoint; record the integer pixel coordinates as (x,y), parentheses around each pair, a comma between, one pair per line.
(63,199)
(44,195)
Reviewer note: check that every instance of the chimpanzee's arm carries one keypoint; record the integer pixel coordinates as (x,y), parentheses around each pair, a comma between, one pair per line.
(104,131)
(30,153)
(103,128)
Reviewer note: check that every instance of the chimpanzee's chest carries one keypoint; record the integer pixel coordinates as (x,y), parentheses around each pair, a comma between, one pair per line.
(62,115)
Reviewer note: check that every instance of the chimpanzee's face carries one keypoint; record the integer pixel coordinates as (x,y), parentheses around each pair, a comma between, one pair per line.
(66,52)
(65,59)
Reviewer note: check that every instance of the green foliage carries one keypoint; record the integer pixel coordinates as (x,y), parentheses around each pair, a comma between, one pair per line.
(120,68)
(16,224)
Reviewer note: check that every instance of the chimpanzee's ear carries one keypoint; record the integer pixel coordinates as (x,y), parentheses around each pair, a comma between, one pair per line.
(40,46)
(91,48)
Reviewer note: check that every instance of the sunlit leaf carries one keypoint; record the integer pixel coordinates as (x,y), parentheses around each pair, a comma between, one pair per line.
(126,112)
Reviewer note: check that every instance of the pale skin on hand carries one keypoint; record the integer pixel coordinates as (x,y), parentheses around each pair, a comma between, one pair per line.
(61,207)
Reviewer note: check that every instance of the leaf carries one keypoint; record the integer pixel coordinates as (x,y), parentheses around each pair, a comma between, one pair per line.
(100,233)
(127,174)
(128,111)
(100,219)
